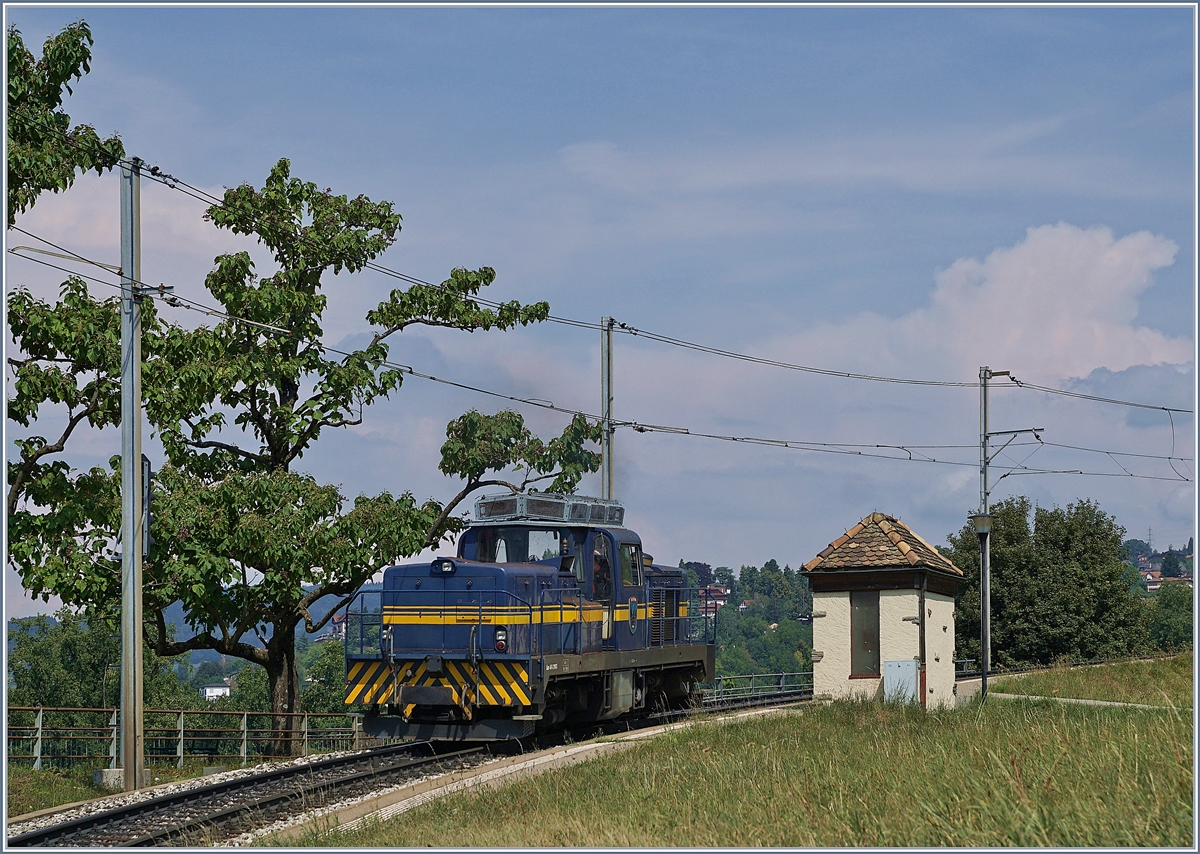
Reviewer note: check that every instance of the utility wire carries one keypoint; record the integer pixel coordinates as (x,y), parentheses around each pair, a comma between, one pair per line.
(182,186)
(1066,393)
(847,449)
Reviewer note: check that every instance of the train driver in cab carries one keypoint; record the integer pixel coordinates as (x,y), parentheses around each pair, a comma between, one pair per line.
(601,570)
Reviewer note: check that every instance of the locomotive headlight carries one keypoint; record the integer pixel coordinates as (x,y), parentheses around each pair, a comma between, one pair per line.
(501,640)
(443,566)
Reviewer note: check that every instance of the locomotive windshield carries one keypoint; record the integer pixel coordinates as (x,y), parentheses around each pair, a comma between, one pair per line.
(522,544)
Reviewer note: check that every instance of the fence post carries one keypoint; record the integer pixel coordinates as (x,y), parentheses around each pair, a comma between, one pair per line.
(179,743)
(114,723)
(245,737)
(306,733)
(356,720)
(37,741)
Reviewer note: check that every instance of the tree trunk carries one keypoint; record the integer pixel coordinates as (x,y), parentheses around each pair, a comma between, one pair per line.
(284,682)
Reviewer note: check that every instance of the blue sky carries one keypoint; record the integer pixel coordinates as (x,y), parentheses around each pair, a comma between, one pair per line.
(903,191)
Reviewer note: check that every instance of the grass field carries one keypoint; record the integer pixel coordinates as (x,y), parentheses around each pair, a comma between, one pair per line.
(1163,682)
(1011,773)
(29,791)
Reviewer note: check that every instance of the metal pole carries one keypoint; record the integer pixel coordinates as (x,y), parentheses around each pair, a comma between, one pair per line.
(131,477)
(606,395)
(985,581)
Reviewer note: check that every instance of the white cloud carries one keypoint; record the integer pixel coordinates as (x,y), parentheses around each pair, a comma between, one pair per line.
(1059,304)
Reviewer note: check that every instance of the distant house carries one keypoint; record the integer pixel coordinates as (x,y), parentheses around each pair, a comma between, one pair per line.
(712,598)
(212,692)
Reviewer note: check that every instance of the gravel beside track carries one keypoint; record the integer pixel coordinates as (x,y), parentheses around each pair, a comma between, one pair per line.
(48,818)
(211,811)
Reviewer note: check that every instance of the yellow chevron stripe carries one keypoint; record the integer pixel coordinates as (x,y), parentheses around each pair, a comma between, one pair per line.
(500,683)
(459,680)
(496,684)
(376,692)
(520,680)
(366,674)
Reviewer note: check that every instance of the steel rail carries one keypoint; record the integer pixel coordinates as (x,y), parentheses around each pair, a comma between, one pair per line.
(308,778)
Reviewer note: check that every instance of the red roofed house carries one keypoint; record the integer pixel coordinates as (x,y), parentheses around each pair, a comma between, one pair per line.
(883,616)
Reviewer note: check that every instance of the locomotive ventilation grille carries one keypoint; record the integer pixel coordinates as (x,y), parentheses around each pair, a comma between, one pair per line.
(546,507)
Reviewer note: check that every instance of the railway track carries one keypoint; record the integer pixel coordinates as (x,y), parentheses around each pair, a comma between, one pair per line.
(222,810)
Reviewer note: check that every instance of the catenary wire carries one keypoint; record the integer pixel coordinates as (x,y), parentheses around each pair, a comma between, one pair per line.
(180,185)
(817,447)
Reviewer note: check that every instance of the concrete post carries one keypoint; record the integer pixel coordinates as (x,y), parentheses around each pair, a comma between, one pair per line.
(37,741)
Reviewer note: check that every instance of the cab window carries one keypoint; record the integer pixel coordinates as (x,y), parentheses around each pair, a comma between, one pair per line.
(631,565)
(520,545)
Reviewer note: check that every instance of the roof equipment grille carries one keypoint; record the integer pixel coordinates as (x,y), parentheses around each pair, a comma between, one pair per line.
(577,509)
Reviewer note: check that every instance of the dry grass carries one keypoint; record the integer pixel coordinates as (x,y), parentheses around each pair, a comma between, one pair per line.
(1162,682)
(1023,773)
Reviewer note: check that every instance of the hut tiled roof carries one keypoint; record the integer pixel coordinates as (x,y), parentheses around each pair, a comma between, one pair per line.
(879,541)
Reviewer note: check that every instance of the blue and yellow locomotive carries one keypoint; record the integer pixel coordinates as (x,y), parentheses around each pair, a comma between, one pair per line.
(549,613)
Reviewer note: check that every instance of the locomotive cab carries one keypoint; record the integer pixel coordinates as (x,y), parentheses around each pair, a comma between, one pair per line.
(548,613)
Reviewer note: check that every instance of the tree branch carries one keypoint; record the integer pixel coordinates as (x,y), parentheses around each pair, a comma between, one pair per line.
(311,627)
(431,540)
(209,443)
(29,463)
(204,640)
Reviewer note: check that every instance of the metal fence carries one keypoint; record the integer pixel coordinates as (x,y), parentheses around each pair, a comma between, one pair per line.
(731,690)
(45,738)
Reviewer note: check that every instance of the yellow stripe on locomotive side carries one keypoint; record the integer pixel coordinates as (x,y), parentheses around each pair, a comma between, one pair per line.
(489,615)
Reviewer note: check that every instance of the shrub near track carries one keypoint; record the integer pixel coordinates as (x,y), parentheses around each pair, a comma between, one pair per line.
(1012,773)
(1163,682)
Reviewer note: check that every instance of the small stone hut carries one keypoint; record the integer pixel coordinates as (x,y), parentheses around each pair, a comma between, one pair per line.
(883,616)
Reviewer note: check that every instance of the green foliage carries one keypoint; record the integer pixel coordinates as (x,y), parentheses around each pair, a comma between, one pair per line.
(775,594)
(1171,623)
(476,444)
(44,151)
(1172,566)
(75,663)
(1136,585)
(291,532)
(62,521)
(1058,587)
(325,688)
(723,576)
(251,691)
(1135,548)
(746,643)
(246,544)
(700,574)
